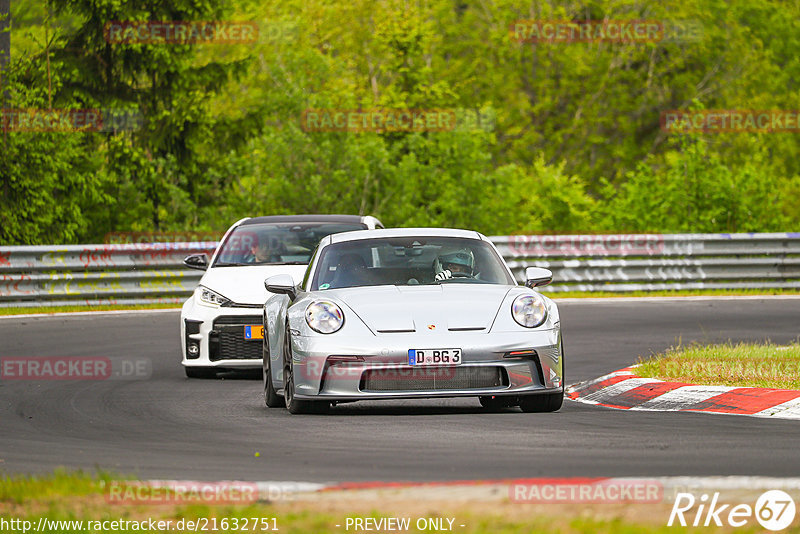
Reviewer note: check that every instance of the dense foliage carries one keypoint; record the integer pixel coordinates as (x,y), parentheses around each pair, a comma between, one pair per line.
(551,137)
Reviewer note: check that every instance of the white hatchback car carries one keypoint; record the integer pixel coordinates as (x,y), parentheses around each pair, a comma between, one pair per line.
(221,323)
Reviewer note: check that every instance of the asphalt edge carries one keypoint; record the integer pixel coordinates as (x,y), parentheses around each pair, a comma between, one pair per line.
(86,313)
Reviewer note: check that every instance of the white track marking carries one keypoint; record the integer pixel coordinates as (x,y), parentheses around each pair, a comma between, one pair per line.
(787,410)
(583,385)
(615,389)
(682,397)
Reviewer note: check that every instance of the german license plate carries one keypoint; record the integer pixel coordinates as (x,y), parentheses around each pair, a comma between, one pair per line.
(253,332)
(423,357)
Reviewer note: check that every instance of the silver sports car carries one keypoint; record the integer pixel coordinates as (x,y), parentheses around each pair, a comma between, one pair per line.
(409,313)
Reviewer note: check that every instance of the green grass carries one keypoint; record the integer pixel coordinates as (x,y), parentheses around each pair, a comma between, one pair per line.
(79,496)
(20,488)
(742,365)
(68,309)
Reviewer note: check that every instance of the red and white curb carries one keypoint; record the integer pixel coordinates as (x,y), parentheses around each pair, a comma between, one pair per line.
(625,390)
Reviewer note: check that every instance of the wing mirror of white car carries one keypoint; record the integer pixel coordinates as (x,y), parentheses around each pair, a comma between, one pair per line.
(537,276)
(283,284)
(196,261)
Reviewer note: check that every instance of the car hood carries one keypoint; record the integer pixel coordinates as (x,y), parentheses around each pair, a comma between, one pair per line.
(245,284)
(396,309)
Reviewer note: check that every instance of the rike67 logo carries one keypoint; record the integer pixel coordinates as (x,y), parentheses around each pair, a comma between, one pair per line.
(774,510)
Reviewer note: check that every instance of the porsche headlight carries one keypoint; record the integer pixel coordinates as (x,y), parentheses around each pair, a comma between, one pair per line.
(324,317)
(529,310)
(212,297)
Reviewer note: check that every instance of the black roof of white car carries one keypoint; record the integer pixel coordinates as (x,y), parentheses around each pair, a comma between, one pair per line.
(304,219)
(403,232)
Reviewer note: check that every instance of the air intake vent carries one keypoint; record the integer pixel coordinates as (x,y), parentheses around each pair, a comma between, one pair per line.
(433,378)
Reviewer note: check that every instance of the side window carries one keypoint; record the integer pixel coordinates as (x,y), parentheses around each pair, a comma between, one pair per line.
(327,269)
(308,269)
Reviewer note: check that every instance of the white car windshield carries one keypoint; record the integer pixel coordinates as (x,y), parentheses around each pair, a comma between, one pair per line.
(276,243)
(409,261)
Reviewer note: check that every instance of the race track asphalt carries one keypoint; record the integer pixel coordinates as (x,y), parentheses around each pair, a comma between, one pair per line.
(168,426)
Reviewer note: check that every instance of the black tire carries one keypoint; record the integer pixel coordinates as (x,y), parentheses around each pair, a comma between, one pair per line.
(296,406)
(200,372)
(496,403)
(547,402)
(271,397)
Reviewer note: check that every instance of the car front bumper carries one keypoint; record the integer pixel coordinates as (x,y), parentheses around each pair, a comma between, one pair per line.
(378,368)
(214,337)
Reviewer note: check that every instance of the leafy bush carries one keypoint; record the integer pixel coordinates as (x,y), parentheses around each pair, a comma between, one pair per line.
(694,190)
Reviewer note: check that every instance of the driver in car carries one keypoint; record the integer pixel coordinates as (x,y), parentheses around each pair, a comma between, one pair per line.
(457,264)
(265,251)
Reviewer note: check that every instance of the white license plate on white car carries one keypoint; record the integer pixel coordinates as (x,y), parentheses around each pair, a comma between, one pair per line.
(423,357)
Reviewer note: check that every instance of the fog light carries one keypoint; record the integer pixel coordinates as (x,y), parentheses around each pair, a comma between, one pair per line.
(192,345)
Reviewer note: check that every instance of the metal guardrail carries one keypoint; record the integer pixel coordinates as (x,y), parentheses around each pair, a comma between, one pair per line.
(146,273)
(98,274)
(651,262)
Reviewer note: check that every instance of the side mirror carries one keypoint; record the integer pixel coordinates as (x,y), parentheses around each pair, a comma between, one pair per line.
(196,261)
(282,284)
(536,276)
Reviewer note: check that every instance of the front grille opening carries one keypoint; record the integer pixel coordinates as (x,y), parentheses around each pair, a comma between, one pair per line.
(433,378)
(240,320)
(227,342)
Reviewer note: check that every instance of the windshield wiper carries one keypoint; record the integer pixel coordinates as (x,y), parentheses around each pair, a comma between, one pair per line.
(285,263)
(230,264)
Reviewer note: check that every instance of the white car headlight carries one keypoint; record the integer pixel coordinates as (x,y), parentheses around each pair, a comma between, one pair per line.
(212,297)
(529,310)
(324,317)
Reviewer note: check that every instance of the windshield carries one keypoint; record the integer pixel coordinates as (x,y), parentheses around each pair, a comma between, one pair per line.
(409,261)
(276,243)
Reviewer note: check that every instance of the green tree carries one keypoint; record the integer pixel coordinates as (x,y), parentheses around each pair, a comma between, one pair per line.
(49,181)
(695,191)
(169,161)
